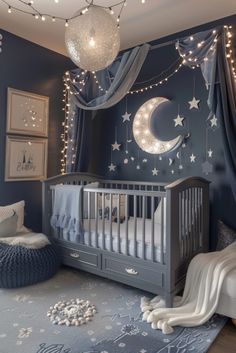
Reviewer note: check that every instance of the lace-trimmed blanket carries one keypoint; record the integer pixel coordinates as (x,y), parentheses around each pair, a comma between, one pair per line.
(67,210)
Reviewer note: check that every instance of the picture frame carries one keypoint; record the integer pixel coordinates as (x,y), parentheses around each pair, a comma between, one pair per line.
(27,113)
(26,158)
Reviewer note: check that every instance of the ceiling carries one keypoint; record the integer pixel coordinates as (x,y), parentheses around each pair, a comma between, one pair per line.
(139,22)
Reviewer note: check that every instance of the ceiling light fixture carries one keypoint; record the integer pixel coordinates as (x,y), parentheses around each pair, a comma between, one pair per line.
(93,39)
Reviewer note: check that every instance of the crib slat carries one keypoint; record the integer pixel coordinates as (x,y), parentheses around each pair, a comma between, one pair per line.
(143,226)
(118,224)
(96,218)
(152,229)
(110,224)
(135,225)
(103,220)
(162,231)
(126,224)
(89,218)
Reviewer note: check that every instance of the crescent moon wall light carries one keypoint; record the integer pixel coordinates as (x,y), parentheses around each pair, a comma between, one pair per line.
(142,129)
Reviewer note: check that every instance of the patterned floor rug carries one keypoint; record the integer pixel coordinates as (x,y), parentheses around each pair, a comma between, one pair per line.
(116,327)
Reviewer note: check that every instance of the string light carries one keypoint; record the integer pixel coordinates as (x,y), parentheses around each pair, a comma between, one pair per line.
(33,11)
(229,49)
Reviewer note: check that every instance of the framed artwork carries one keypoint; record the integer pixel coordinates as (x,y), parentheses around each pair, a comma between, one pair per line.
(27,113)
(26,158)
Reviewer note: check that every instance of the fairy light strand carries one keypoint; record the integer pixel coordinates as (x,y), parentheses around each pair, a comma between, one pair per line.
(31,10)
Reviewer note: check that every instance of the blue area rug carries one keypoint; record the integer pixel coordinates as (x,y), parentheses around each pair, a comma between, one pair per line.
(116,328)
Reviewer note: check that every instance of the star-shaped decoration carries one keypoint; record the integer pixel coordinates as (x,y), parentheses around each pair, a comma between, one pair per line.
(160,158)
(194,103)
(172,171)
(115,146)
(126,152)
(178,121)
(213,121)
(207,167)
(132,158)
(126,161)
(126,116)
(192,158)
(138,166)
(145,160)
(112,167)
(155,171)
(181,167)
(210,152)
(184,145)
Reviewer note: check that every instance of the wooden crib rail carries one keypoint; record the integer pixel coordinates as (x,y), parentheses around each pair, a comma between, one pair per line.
(188,226)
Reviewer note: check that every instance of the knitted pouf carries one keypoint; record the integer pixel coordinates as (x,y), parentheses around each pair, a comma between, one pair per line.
(20,266)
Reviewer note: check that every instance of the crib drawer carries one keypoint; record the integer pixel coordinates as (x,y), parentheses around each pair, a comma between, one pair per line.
(133,271)
(80,256)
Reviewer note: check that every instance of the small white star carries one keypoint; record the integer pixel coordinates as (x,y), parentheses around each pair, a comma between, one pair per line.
(172,171)
(192,158)
(138,167)
(126,161)
(132,159)
(178,121)
(126,152)
(145,160)
(210,152)
(126,117)
(116,146)
(155,171)
(180,166)
(213,121)
(112,167)
(194,103)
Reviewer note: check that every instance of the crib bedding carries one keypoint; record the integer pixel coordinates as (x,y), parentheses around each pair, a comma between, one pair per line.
(131,242)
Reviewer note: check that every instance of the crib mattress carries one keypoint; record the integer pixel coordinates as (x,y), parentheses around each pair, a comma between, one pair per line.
(131,241)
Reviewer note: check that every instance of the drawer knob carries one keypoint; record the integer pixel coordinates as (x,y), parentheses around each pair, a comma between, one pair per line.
(75,255)
(131,271)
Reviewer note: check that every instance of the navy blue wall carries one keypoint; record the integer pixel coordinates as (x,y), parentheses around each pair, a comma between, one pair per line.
(179,90)
(29,67)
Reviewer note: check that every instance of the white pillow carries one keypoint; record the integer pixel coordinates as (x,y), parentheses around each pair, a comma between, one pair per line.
(18,207)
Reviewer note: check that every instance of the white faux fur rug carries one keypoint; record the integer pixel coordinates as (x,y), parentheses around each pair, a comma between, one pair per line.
(29,240)
(204,280)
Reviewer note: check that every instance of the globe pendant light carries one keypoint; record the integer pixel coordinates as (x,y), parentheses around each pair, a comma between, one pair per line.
(92,38)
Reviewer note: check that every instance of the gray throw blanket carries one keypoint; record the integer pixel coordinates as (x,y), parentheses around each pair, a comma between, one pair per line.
(67,212)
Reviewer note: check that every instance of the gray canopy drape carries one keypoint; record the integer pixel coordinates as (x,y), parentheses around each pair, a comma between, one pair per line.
(208,49)
(115,81)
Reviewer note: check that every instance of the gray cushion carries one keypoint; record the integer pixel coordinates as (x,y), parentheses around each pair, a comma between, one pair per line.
(226,236)
(8,226)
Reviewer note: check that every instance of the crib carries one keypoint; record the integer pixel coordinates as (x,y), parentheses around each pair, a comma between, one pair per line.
(143,234)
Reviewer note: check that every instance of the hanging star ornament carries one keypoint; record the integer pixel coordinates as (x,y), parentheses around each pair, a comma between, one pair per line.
(207,167)
(178,121)
(115,146)
(210,152)
(194,103)
(213,121)
(192,158)
(155,171)
(112,167)
(126,116)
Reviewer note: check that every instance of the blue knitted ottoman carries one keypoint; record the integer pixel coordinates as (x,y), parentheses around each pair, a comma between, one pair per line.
(20,266)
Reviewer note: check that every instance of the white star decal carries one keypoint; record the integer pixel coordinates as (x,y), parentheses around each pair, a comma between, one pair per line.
(178,121)
(181,167)
(115,146)
(192,158)
(210,152)
(194,103)
(172,171)
(126,117)
(112,167)
(213,121)
(155,171)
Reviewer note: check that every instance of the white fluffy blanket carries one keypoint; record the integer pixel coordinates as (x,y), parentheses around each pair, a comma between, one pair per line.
(29,240)
(204,280)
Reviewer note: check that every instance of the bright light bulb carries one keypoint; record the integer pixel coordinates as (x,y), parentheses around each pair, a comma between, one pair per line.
(9,9)
(92,42)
